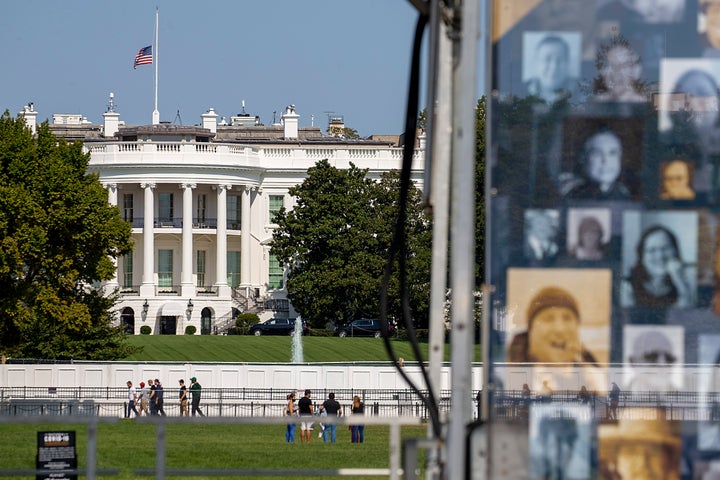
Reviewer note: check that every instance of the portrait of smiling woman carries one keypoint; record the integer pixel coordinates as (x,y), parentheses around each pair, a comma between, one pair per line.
(660,268)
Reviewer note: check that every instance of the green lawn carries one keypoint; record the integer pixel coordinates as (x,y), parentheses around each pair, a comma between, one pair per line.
(245,348)
(129,445)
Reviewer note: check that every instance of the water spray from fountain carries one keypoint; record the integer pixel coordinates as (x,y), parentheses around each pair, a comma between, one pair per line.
(297,347)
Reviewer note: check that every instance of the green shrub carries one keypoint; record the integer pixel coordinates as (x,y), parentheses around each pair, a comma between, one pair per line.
(237,331)
(190,330)
(420,333)
(246,319)
(321,332)
(145,330)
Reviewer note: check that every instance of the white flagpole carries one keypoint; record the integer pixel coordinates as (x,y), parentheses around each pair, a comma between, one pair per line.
(156,113)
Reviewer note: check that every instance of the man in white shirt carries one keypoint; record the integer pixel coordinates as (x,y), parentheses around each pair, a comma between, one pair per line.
(132,397)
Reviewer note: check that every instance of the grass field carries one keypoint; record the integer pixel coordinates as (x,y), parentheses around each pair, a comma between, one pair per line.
(129,445)
(245,348)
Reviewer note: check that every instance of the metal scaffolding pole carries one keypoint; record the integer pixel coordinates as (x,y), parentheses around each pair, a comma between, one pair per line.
(439,103)
(462,234)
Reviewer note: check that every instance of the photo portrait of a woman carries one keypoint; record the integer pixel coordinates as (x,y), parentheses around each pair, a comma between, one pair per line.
(588,233)
(659,259)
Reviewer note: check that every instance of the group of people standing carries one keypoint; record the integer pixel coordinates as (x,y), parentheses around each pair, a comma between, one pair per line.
(329,408)
(151,398)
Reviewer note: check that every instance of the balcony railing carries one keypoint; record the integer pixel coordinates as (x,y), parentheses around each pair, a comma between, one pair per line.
(207,291)
(161,222)
(201,223)
(167,291)
(181,152)
(129,291)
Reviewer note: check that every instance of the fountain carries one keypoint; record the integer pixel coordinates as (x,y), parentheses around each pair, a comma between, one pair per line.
(297,347)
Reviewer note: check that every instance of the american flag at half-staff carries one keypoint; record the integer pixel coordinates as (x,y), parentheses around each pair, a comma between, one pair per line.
(144,57)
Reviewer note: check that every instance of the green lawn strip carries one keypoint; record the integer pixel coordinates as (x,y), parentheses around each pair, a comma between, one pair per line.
(242,348)
(129,446)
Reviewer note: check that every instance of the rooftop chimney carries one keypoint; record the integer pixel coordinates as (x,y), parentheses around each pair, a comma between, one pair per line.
(209,120)
(111,119)
(30,115)
(290,120)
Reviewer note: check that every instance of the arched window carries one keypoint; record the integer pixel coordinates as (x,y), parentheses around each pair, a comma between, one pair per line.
(127,320)
(205,321)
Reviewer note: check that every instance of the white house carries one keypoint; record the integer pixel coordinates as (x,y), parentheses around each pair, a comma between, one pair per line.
(201,201)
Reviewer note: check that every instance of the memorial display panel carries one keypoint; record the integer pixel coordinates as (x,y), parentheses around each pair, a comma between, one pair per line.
(604,235)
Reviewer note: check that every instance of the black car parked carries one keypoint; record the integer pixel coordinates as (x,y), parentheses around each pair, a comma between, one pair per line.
(364,327)
(276,326)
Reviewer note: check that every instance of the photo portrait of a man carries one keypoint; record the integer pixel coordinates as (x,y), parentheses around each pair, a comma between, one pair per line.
(541,243)
(551,64)
(676,180)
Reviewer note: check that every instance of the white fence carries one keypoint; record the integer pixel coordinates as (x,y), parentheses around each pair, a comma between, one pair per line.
(373,376)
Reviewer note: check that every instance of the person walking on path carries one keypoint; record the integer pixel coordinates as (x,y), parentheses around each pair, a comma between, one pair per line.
(195,389)
(290,412)
(183,399)
(144,398)
(159,398)
(132,398)
(357,432)
(333,409)
(151,398)
(305,410)
(614,398)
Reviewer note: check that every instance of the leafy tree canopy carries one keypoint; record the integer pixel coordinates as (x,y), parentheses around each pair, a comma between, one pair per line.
(58,238)
(335,244)
(345,132)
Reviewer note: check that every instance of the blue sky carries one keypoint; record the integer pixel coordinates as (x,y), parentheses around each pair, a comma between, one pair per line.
(348,57)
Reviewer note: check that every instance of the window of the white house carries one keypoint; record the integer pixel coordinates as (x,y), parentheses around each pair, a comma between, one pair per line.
(233,268)
(165,209)
(128,207)
(275,278)
(165,269)
(128,270)
(201,208)
(276,203)
(233,212)
(201,268)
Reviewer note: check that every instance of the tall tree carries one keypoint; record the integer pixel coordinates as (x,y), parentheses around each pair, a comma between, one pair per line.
(480,116)
(57,239)
(335,243)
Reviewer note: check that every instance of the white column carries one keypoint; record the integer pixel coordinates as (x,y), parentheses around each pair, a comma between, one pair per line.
(221,241)
(245,238)
(147,289)
(112,189)
(186,284)
(112,200)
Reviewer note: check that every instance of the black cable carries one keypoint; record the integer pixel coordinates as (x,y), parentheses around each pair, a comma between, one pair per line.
(398,247)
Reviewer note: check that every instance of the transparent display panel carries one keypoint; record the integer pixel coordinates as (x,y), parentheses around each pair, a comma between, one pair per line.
(604,161)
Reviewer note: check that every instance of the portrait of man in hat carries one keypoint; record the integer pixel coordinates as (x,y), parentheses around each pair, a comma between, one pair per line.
(647,448)
(560,318)
(552,306)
